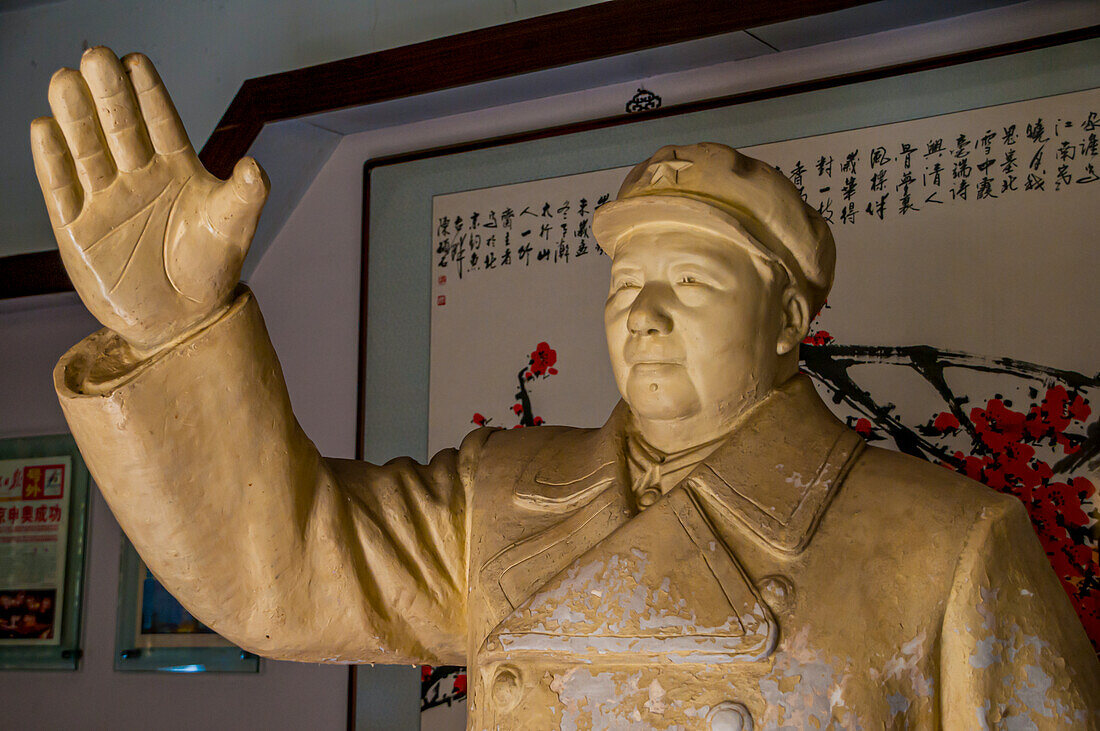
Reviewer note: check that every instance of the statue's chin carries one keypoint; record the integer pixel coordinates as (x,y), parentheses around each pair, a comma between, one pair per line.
(661,392)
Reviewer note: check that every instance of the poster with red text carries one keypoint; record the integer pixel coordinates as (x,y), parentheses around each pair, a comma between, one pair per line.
(34,520)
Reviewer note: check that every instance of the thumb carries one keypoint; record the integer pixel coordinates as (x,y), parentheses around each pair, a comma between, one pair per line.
(234,205)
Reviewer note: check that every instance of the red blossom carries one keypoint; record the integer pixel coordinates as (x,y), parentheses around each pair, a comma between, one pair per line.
(479,419)
(1079,410)
(863,427)
(460,683)
(1005,458)
(517,408)
(425,672)
(946,422)
(541,359)
(821,337)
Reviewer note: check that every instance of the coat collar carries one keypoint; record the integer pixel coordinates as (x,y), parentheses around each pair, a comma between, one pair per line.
(775,475)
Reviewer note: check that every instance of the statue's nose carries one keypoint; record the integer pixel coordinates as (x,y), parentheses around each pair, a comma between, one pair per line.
(649,314)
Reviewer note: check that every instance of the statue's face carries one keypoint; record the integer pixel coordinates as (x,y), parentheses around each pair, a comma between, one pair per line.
(692,324)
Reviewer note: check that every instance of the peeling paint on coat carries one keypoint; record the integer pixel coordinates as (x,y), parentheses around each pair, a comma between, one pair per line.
(573,617)
(802,691)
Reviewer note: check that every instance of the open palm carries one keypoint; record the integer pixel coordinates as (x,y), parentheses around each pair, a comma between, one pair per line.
(152,242)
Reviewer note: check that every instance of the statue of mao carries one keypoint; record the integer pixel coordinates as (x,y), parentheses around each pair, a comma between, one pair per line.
(722,553)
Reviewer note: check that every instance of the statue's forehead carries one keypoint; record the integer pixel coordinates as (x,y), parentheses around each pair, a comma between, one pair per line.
(674,244)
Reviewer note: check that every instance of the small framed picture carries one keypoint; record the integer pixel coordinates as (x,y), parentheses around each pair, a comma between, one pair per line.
(43,526)
(156,633)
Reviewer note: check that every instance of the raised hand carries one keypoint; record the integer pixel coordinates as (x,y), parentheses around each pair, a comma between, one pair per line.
(152,242)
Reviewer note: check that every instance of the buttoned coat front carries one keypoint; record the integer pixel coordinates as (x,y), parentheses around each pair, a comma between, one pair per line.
(795,579)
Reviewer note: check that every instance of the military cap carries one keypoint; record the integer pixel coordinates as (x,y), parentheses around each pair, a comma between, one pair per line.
(714,188)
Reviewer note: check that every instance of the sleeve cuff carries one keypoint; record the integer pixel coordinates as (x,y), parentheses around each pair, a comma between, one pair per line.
(103,361)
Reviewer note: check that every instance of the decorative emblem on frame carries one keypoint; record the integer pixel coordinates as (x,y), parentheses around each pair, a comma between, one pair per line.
(643,101)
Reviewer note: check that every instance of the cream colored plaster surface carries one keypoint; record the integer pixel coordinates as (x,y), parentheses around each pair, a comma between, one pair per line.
(722,554)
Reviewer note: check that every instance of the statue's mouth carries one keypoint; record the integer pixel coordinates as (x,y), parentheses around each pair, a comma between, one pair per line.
(654,368)
(652,353)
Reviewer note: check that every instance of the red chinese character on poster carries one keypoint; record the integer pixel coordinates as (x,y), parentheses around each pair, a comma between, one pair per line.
(32,482)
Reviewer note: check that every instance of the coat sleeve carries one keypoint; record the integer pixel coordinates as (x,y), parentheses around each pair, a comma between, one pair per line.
(232,508)
(1013,652)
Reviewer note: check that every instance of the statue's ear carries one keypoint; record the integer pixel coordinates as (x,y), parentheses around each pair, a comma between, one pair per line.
(795,322)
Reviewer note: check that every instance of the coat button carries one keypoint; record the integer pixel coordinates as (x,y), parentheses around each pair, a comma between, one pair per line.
(778,592)
(648,496)
(729,716)
(507,687)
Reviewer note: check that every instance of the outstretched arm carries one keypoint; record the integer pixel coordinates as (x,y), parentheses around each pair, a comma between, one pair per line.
(285,553)
(180,409)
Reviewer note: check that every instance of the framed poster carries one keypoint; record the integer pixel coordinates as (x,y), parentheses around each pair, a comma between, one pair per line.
(155,632)
(965,264)
(43,528)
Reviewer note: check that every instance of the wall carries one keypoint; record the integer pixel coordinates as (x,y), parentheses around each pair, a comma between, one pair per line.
(203,49)
(282,695)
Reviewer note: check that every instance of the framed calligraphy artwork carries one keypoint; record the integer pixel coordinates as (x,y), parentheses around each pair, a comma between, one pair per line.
(962,200)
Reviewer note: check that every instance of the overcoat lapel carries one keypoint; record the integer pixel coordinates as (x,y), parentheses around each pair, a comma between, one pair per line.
(774,478)
(779,470)
(513,573)
(581,473)
(576,466)
(661,588)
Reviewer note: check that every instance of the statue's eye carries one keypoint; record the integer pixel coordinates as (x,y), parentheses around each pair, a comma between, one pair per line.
(688,279)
